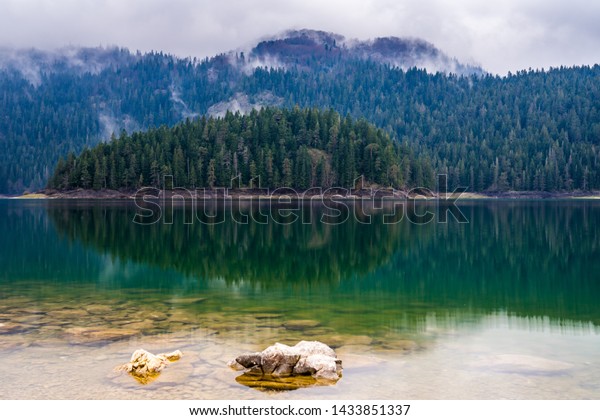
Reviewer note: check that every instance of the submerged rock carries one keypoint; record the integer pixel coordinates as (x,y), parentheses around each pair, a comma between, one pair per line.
(185,300)
(13,342)
(69,313)
(94,335)
(11,328)
(266,383)
(523,364)
(267,316)
(281,367)
(301,324)
(97,309)
(145,366)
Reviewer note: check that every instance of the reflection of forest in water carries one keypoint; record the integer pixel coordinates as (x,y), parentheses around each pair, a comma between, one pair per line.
(269,254)
(527,258)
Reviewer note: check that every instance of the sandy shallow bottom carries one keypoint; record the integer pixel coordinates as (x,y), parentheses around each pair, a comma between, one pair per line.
(490,363)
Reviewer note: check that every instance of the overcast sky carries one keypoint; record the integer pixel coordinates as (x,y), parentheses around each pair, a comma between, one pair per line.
(501,35)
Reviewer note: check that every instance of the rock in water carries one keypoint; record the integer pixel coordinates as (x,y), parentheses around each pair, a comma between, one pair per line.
(523,364)
(11,328)
(95,335)
(273,367)
(301,324)
(145,366)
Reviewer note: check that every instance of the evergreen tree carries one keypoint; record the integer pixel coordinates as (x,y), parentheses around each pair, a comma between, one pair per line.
(172,152)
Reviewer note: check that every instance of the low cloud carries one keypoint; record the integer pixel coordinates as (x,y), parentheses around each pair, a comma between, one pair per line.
(178,103)
(501,36)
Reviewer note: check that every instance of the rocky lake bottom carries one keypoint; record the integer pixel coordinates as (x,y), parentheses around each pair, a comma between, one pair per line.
(69,349)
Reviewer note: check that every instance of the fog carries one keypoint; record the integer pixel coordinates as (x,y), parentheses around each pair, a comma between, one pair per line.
(500,36)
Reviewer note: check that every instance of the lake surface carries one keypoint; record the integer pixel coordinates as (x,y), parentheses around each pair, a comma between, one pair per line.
(504,306)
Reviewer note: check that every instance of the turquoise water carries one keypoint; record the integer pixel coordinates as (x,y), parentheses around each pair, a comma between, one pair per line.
(504,306)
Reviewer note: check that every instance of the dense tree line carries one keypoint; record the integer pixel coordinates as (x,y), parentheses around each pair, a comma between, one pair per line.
(534,130)
(270,148)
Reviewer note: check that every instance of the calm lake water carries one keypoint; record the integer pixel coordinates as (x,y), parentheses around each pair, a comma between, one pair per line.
(505,306)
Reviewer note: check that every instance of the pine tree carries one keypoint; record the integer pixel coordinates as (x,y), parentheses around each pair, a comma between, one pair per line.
(98,175)
(211,178)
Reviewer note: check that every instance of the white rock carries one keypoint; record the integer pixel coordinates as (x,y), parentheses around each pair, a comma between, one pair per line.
(143,364)
(305,358)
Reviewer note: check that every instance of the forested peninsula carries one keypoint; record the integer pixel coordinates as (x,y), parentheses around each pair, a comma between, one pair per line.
(270,148)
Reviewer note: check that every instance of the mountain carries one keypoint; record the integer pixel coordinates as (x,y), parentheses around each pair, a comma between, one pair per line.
(33,65)
(302,48)
(534,130)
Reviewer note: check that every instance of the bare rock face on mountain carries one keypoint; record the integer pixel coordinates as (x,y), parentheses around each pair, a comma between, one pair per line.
(281,367)
(298,48)
(145,366)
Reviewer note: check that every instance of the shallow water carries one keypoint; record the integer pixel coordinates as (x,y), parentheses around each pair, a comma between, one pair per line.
(505,306)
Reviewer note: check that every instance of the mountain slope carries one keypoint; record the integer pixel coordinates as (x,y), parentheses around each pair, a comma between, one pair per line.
(535,130)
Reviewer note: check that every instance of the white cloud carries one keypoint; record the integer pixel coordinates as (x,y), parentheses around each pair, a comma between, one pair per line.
(502,35)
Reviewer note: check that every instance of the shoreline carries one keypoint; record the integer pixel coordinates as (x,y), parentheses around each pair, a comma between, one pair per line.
(337,194)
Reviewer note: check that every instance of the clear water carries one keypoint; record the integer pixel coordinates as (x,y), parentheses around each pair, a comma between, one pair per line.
(505,306)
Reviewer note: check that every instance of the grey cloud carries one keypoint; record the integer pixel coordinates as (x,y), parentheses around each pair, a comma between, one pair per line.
(501,36)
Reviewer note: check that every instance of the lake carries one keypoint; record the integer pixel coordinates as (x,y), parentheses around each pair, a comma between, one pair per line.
(504,306)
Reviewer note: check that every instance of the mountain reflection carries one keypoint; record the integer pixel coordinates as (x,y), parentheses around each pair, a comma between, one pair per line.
(536,260)
(270,254)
